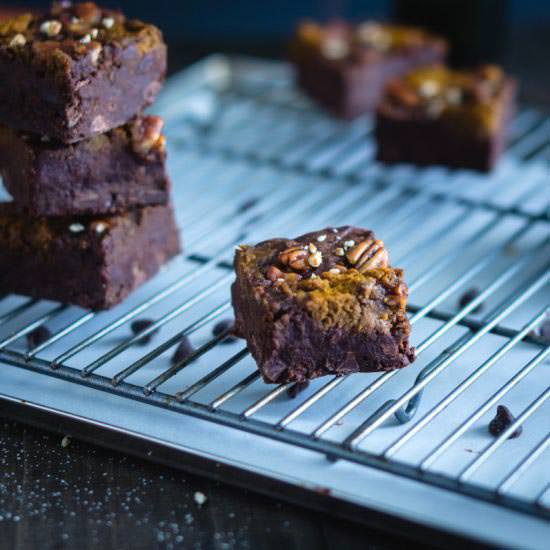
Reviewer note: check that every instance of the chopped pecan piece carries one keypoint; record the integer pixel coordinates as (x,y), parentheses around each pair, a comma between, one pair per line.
(294,257)
(315,259)
(403,93)
(147,135)
(273,273)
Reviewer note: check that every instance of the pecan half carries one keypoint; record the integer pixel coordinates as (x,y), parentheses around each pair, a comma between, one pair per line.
(295,257)
(368,254)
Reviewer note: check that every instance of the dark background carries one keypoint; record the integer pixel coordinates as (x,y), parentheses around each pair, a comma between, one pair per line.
(80,496)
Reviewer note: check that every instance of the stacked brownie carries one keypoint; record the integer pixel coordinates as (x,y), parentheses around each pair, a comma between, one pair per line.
(90,218)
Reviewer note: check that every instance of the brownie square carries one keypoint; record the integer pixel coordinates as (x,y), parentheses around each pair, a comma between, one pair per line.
(324,303)
(344,67)
(438,116)
(115,171)
(77,71)
(93,262)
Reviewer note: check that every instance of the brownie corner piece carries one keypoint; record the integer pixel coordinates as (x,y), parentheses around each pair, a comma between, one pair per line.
(79,70)
(325,303)
(344,66)
(112,172)
(90,261)
(439,116)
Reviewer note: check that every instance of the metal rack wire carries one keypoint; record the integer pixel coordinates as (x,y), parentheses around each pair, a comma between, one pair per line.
(251,159)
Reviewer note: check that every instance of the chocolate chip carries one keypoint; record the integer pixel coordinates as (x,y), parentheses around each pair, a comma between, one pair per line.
(222,326)
(248,204)
(469,296)
(297,388)
(255,219)
(38,336)
(140,326)
(183,351)
(501,421)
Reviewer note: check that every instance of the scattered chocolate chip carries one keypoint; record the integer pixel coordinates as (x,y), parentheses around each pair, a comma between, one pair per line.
(501,421)
(297,388)
(38,336)
(222,326)
(183,351)
(248,204)
(140,326)
(469,296)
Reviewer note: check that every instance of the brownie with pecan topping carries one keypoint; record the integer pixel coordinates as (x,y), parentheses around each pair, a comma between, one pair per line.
(344,67)
(93,262)
(436,115)
(111,172)
(324,303)
(77,71)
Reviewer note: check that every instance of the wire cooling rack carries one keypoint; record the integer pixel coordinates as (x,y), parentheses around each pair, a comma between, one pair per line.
(252,159)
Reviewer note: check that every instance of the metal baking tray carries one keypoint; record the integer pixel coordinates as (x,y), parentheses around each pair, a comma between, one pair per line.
(408,450)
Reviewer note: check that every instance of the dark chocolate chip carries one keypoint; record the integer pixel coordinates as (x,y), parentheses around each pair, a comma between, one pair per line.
(297,388)
(501,421)
(183,351)
(469,296)
(222,326)
(38,336)
(255,219)
(248,204)
(141,325)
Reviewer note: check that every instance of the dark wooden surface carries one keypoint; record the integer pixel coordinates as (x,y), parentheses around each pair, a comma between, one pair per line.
(83,497)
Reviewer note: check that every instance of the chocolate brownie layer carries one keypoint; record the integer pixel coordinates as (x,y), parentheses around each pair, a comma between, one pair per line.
(435,115)
(324,303)
(345,67)
(77,71)
(115,171)
(92,262)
